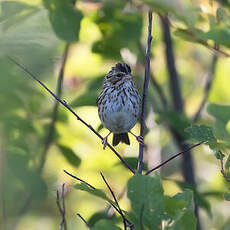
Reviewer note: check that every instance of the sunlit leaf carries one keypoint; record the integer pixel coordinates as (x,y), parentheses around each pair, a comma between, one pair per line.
(65,19)
(96,192)
(70,155)
(146,196)
(201,133)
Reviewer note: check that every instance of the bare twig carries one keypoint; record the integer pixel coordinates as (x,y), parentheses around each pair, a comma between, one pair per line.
(77,178)
(172,157)
(145,93)
(207,87)
(223,172)
(86,223)
(115,199)
(71,110)
(62,209)
(50,135)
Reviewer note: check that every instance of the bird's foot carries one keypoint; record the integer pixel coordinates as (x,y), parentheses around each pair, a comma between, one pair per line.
(105,140)
(140,139)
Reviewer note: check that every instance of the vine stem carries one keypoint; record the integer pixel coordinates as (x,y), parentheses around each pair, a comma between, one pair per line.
(145,92)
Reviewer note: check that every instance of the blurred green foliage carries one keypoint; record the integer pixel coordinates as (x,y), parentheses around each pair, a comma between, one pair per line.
(34,33)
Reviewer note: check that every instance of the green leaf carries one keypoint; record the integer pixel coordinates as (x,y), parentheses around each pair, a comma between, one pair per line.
(119,30)
(65,20)
(222,15)
(132,161)
(201,133)
(105,225)
(222,115)
(86,99)
(70,155)
(227,196)
(96,217)
(96,192)
(182,12)
(218,34)
(227,163)
(147,200)
(172,206)
(184,217)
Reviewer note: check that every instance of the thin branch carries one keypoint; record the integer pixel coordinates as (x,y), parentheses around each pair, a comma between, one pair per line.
(62,209)
(172,157)
(50,135)
(207,87)
(86,223)
(153,81)
(77,178)
(71,110)
(145,92)
(115,199)
(223,172)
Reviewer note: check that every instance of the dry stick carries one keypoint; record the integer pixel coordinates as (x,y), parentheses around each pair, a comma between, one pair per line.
(86,223)
(116,201)
(50,135)
(207,88)
(69,108)
(223,172)
(145,92)
(77,178)
(62,209)
(172,157)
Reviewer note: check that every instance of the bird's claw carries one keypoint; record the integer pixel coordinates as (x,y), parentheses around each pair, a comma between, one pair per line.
(105,142)
(140,139)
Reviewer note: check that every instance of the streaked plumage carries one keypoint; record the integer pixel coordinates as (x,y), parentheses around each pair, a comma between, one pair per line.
(119,103)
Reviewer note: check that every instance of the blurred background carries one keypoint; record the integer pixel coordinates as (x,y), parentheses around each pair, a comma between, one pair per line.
(38,140)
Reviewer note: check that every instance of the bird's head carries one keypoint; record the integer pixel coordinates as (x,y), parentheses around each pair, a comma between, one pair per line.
(120,72)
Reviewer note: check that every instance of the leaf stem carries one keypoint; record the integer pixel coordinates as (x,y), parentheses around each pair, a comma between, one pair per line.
(172,157)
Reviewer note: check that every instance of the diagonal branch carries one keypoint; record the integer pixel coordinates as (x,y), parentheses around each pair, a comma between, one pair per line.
(208,86)
(145,93)
(50,135)
(116,201)
(223,172)
(172,157)
(71,110)
(77,178)
(92,187)
(86,223)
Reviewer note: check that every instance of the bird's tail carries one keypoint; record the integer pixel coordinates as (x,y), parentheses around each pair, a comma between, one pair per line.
(120,137)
